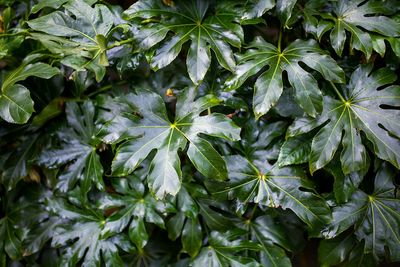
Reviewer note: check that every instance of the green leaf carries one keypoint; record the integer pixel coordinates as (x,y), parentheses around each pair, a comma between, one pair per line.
(206,159)
(360,108)
(221,252)
(155,131)
(175,225)
(269,85)
(8,45)
(18,213)
(40,70)
(355,16)
(11,242)
(275,187)
(84,234)
(358,258)
(76,35)
(376,217)
(269,235)
(134,208)
(50,111)
(16,105)
(214,219)
(138,233)
(47,3)
(294,151)
(331,252)
(185,22)
(18,163)
(78,150)
(284,9)
(345,184)
(192,237)
(256,8)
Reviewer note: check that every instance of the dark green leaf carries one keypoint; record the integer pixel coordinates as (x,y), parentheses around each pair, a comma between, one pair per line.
(269,234)
(295,150)
(155,131)
(77,35)
(284,9)
(331,252)
(192,237)
(78,150)
(359,108)
(221,252)
(355,16)
(269,85)
(376,217)
(16,105)
(187,21)
(134,208)
(275,187)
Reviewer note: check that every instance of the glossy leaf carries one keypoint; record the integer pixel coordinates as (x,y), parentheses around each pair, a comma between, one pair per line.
(221,250)
(18,164)
(353,17)
(78,150)
(78,35)
(294,151)
(16,105)
(187,21)
(199,133)
(192,237)
(11,242)
(269,85)
(359,108)
(284,9)
(156,131)
(84,230)
(331,252)
(376,217)
(269,235)
(134,208)
(275,187)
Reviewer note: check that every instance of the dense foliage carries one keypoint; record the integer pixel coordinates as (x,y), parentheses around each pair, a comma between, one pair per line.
(199,133)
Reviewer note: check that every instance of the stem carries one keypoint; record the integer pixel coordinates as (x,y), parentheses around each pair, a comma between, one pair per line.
(337,92)
(280,40)
(253,211)
(4,35)
(105,88)
(209,111)
(119,43)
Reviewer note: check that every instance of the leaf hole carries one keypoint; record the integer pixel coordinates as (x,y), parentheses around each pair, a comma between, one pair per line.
(384,106)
